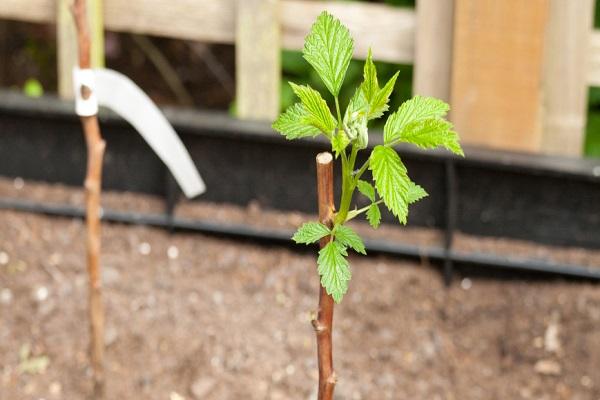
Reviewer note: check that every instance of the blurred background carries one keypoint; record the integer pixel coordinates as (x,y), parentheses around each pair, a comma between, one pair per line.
(490,291)
(462,50)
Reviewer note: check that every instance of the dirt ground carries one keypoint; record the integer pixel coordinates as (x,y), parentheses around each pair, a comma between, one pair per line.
(204,318)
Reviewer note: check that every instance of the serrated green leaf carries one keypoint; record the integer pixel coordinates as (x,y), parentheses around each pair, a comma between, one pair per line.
(415,193)
(358,105)
(375,98)
(328,48)
(391,180)
(366,189)
(348,238)
(370,85)
(374,216)
(294,123)
(334,270)
(310,232)
(431,133)
(379,104)
(416,109)
(339,142)
(319,114)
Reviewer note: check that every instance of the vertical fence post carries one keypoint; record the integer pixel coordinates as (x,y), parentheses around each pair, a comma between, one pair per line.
(66,38)
(258,59)
(566,64)
(66,46)
(498,57)
(433,48)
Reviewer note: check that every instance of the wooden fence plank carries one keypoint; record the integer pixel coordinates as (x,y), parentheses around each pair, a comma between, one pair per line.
(66,38)
(29,10)
(96,18)
(205,20)
(390,30)
(593,75)
(258,59)
(66,46)
(433,48)
(497,72)
(565,76)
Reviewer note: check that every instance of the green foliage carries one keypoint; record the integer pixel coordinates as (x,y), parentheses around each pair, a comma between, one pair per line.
(33,88)
(366,189)
(419,121)
(334,270)
(391,180)
(592,140)
(318,114)
(432,133)
(415,193)
(348,238)
(310,232)
(339,142)
(416,110)
(374,215)
(376,98)
(295,123)
(328,48)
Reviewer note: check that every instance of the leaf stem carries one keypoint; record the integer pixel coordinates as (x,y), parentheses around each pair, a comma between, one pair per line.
(354,213)
(353,156)
(362,170)
(348,185)
(339,114)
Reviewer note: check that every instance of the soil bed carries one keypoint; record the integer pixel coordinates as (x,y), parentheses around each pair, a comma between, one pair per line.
(188,313)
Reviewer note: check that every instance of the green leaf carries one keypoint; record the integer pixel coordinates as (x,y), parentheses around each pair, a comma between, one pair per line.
(379,104)
(431,133)
(370,85)
(294,123)
(339,143)
(319,114)
(366,189)
(374,215)
(416,109)
(415,193)
(328,48)
(358,105)
(348,238)
(310,232)
(391,180)
(334,270)
(376,98)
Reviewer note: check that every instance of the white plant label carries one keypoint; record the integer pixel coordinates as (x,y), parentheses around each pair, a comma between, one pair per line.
(85,107)
(119,93)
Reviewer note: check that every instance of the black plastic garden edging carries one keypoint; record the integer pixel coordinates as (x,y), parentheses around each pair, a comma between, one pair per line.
(544,199)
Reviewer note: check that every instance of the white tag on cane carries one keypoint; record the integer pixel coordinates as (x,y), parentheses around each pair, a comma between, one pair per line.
(84,82)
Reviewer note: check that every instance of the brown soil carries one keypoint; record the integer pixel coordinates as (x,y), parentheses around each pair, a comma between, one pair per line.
(230,320)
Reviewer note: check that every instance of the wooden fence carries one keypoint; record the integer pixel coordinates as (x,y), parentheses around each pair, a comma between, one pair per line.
(516,73)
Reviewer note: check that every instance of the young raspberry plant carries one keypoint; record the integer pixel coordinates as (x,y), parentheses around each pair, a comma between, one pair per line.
(328,48)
